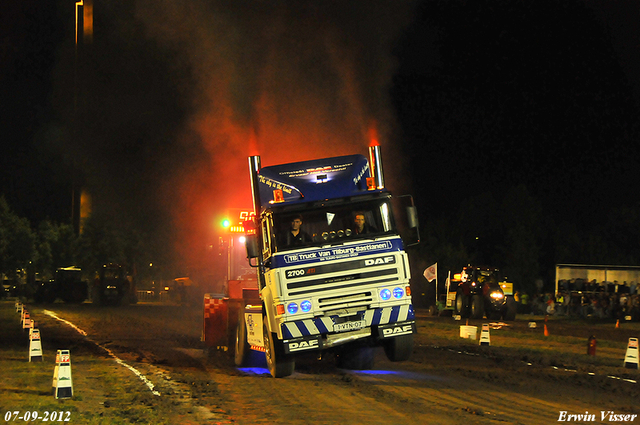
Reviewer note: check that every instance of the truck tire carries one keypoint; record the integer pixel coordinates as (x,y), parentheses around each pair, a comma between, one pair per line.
(399,348)
(241,346)
(279,364)
(356,358)
(462,302)
(477,307)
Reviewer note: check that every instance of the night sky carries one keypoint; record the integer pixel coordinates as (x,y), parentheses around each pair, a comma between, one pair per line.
(465,97)
(539,93)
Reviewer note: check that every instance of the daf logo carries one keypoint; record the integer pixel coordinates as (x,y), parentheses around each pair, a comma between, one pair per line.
(398,330)
(303,345)
(379,260)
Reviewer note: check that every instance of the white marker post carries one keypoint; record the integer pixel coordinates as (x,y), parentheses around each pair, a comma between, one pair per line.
(485,339)
(35,346)
(631,358)
(62,382)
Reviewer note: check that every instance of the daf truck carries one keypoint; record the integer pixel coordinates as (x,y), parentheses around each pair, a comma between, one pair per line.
(332,270)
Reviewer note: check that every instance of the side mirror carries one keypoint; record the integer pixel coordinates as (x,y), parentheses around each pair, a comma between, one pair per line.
(409,228)
(412,216)
(251,243)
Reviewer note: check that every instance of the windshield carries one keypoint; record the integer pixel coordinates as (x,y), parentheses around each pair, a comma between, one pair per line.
(332,224)
(488,277)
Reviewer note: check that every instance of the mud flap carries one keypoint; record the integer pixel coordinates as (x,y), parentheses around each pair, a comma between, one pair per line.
(253,320)
(302,344)
(397,329)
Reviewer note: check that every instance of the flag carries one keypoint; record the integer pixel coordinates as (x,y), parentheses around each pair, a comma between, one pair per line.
(430,273)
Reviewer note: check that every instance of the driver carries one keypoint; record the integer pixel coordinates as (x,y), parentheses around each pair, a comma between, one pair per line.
(361,226)
(295,236)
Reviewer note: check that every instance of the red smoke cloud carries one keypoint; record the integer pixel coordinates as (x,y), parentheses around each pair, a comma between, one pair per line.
(289,82)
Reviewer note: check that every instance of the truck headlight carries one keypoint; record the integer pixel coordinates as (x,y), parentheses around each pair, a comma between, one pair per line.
(497,295)
(292,308)
(385,294)
(305,306)
(398,293)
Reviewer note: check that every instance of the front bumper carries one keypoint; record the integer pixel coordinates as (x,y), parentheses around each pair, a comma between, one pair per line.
(319,333)
(325,325)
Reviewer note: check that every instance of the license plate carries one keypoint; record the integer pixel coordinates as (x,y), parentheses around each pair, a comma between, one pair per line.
(348,326)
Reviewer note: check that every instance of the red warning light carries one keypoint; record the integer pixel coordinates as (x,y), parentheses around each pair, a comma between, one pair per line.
(371,183)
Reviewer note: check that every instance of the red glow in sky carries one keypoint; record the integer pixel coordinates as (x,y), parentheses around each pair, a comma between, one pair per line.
(288,82)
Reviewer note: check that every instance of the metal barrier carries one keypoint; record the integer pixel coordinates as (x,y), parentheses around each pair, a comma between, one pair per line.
(163,297)
(160,297)
(146,296)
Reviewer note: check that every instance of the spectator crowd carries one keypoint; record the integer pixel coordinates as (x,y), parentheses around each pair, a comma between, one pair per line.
(586,299)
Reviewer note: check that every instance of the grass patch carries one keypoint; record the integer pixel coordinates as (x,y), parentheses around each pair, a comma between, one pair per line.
(104,392)
(519,343)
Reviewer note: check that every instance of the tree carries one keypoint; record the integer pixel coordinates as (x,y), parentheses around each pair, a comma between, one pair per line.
(17,241)
(522,237)
(57,247)
(101,242)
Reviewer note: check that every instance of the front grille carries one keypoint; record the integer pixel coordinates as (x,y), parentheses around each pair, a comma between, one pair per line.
(351,300)
(314,286)
(342,284)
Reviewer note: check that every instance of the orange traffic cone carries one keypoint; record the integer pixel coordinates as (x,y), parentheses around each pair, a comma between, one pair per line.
(618,324)
(546,331)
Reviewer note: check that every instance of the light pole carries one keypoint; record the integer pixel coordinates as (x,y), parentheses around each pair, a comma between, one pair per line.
(87,21)
(87,38)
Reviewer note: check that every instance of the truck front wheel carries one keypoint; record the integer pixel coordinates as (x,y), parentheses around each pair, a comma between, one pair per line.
(279,364)
(399,348)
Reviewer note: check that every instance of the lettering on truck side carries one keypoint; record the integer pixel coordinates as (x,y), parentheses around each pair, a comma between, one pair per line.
(338,252)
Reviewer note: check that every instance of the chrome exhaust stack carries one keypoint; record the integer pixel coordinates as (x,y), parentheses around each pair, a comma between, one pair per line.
(375,165)
(254,169)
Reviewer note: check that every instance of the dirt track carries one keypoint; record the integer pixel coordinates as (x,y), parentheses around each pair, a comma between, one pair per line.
(455,384)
